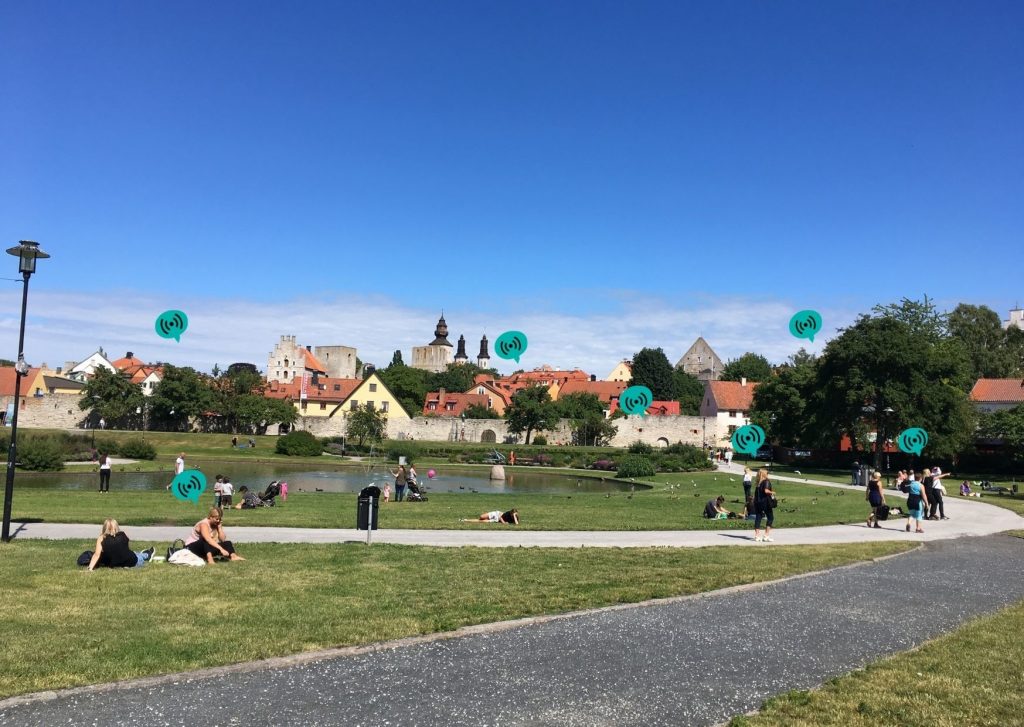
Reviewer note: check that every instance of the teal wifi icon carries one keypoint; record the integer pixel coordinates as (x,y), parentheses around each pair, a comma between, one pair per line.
(805,324)
(912,440)
(635,400)
(171,324)
(510,345)
(748,439)
(189,485)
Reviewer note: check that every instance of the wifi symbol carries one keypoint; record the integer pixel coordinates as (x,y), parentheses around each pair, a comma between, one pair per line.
(636,399)
(805,324)
(189,485)
(748,439)
(511,345)
(912,440)
(171,324)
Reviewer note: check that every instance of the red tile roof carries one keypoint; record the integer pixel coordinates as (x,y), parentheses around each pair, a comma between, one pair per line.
(657,408)
(732,395)
(603,390)
(998,390)
(324,390)
(7,376)
(312,363)
(128,362)
(498,391)
(448,404)
(547,376)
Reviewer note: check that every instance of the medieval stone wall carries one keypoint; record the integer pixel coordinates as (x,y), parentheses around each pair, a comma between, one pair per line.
(53,411)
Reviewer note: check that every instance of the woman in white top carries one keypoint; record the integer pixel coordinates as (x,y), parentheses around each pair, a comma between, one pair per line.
(104,472)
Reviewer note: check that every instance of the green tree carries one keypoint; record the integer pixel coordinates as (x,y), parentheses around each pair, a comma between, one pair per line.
(749,366)
(921,317)
(689,392)
(783,403)
(366,424)
(181,395)
(593,430)
(578,405)
(980,330)
(409,385)
(396,359)
(479,411)
(881,364)
(531,409)
(652,369)
(215,371)
(1007,425)
(112,396)
(457,378)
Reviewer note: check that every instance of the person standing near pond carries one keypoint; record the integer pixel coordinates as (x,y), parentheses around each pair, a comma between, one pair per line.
(401,477)
(763,498)
(748,482)
(104,472)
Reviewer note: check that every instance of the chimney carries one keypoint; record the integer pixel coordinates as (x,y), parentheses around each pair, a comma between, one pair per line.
(440,393)
(128,355)
(309,348)
(743,381)
(58,370)
(593,377)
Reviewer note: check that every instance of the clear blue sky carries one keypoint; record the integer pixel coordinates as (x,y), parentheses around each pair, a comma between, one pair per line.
(480,153)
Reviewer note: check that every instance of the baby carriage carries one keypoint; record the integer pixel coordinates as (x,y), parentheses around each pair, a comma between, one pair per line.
(272,491)
(415,492)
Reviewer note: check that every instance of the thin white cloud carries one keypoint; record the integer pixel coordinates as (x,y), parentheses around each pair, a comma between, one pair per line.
(68,326)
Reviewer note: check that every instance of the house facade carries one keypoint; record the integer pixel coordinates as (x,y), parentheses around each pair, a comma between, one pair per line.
(728,403)
(700,360)
(989,395)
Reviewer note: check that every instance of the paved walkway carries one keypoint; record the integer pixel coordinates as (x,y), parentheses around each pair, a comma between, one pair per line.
(688,661)
(967,518)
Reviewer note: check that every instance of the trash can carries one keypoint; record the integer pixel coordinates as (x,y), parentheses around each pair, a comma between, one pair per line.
(865,475)
(367,508)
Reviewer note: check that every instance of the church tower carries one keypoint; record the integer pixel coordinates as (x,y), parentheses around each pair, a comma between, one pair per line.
(460,354)
(483,359)
(437,354)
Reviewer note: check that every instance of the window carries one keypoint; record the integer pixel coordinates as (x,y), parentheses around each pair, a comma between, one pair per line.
(383,406)
(432,406)
(732,429)
(337,387)
(370,406)
(323,404)
(303,405)
(450,406)
(732,414)
(373,387)
(355,405)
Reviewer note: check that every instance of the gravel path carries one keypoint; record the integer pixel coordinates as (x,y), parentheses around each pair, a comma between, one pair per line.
(689,661)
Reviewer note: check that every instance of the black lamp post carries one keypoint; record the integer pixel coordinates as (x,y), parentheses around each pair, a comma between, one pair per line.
(27,253)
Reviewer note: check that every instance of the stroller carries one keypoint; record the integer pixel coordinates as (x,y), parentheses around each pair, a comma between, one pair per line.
(415,492)
(272,491)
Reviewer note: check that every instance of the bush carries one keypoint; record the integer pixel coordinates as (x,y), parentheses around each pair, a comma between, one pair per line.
(405,449)
(670,464)
(108,446)
(299,444)
(41,453)
(138,448)
(604,464)
(540,440)
(639,447)
(334,448)
(635,465)
(690,457)
(544,460)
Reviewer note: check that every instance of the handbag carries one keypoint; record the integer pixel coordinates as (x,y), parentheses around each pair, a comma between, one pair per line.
(773,502)
(85,557)
(174,547)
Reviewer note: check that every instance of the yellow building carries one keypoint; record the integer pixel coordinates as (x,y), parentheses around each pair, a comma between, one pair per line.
(623,371)
(328,397)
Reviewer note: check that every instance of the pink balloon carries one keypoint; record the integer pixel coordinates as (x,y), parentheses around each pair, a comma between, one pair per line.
(431,474)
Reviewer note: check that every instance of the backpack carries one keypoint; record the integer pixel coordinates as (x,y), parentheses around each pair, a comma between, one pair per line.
(85,558)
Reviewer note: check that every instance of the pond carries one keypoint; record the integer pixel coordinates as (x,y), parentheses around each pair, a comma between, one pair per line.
(303,479)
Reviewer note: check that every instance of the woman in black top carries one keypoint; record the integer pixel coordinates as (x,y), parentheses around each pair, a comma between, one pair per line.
(875,497)
(113,550)
(763,495)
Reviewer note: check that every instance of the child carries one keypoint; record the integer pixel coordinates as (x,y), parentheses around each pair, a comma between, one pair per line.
(227,491)
(387,492)
(284,490)
(218,491)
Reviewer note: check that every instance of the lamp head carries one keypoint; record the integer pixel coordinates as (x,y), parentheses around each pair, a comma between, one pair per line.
(27,253)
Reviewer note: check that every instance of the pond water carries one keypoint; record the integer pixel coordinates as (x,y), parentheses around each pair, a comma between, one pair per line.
(303,479)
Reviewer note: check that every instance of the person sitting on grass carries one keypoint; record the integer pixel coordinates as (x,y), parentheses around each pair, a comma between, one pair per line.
(510,517)
(113,550)
(713,510)
(749,509)
(208,539)
(249,500)
(965,490)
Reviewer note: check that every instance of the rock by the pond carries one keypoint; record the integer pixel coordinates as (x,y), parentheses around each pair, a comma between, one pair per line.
(497,472)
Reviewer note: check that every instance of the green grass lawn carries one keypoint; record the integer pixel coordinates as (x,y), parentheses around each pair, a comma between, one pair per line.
(972,676)
(64,626)
(676,503)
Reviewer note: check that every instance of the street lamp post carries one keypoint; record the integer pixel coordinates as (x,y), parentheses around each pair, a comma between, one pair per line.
(27,253)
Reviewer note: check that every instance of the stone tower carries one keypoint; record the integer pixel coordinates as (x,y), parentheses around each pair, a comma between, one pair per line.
(460,353)
(483,359)
(437,354)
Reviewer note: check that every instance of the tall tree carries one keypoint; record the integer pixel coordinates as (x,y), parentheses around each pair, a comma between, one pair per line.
(585,413)
(980,330)
(749,366)
(457,378)
(921,317)
(366,424)
(112,396)
(689,392)
(408,384)
(183,393)
(1006,425)
(783,404)
(652,369)
(396,359)
(531,409)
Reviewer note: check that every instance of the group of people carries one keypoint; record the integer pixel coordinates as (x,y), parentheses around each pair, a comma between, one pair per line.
(405,479)
(925,493)
(207,540)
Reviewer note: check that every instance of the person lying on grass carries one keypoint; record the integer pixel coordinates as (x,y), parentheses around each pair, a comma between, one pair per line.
(113,550)
(208,538)
(510,517)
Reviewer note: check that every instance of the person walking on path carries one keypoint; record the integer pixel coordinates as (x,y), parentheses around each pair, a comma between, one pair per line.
(104,472)
(935,494)
(917,501)
(400,479)
(764,501)
(875,498)
(748,483)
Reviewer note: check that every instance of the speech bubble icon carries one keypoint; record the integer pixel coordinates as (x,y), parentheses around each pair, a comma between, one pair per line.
(748,439)
(805,324)
(171,324)
(189,485)
(912,440)
(510,345)
(635,400)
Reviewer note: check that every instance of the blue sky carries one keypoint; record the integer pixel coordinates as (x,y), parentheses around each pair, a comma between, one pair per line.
(635,173)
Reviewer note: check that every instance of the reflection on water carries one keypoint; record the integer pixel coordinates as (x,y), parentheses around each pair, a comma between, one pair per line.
(258,476)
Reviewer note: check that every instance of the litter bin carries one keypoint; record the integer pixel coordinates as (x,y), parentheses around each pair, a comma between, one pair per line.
(367,508)
(865,475)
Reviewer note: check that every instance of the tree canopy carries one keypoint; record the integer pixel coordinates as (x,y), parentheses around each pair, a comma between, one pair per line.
(749,366)
(689,392)
(366,424)
(531,409)
(112,396)
(652,369)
